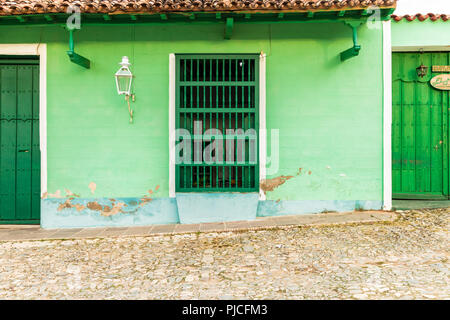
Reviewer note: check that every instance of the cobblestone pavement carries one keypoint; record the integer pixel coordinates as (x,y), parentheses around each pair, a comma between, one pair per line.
(405,259)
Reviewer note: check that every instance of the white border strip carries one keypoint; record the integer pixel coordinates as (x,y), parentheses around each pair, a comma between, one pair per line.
(172,76)
(39,49)
(419,48)
(387,116)
(262,123)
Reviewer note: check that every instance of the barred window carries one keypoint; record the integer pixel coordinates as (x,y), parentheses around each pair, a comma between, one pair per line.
(217,123)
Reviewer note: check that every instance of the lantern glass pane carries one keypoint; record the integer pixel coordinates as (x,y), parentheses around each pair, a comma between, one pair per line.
(123,83)
(123,80)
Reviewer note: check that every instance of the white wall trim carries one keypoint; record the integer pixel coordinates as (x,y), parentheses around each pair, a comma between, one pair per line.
(172,76)
(262,123)
(419,48)
(387,116)
(37,49)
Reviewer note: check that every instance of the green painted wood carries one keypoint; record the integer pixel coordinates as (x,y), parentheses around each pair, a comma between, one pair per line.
(8,90)
(14,61)
(35,150)
(221,92)
(420,140)
(7,169)
(415,196)
(31,221)
(24,141)
(19,137)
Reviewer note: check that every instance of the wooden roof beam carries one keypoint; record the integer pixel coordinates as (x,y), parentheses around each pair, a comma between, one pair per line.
(229,28)
(353,51)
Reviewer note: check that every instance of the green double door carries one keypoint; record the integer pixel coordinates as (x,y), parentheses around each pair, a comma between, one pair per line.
(19,142)
(420,129)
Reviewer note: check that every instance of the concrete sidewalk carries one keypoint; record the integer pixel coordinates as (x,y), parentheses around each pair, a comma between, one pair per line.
(20,232)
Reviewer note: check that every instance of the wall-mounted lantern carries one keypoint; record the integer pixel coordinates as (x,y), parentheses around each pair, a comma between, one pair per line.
(421,70)
(124,78)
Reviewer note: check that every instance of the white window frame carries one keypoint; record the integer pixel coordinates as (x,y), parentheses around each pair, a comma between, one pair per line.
(262,122)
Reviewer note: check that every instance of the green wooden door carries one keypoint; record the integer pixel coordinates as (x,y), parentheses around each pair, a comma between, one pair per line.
(420,140)
(19,140)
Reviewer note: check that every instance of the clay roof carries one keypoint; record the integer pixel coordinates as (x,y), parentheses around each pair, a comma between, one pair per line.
(422,17)
(22,7)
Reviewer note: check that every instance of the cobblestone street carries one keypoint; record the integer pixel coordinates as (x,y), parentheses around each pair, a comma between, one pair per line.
(405,259)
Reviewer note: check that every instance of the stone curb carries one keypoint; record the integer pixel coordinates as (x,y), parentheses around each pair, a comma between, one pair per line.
(392,217)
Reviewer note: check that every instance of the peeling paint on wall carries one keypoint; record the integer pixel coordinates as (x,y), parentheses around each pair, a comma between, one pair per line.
(71,194)
(92,186)
(57,194)
(112,207)
(94,205)
(106,210)
(267,185)
(68,205)
(145,199)
(116,208)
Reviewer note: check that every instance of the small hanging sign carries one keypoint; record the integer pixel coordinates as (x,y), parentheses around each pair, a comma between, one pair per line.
(441,82)
(441,68)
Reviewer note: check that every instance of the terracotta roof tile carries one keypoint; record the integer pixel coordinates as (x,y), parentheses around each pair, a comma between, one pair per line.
(422,17)
(19,7)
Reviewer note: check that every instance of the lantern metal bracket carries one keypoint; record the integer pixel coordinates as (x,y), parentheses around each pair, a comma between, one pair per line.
(353,51)
(130,111)
(74,57)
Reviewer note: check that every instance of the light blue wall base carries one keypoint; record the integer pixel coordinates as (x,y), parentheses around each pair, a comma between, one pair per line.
(273,208)
(186,208)
(133,213)
(216,207)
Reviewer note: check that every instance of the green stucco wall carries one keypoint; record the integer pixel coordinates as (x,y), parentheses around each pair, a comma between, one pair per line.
(421,33)
(328,112)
